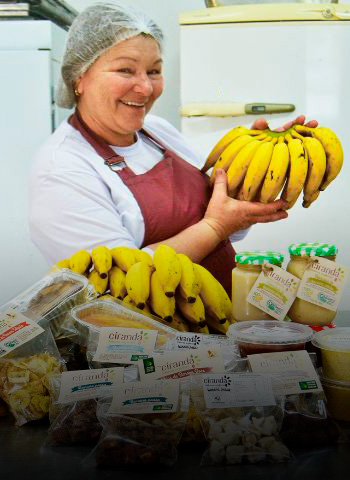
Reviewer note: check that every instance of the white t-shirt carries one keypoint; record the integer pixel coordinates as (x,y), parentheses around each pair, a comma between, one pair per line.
(77,202)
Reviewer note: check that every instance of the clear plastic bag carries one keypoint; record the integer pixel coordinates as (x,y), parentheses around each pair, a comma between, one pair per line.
(50,300)
(25,377)
(239,434)
(306,423)
(138,439)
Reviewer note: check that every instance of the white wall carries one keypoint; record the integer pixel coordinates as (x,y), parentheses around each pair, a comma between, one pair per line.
(165,13)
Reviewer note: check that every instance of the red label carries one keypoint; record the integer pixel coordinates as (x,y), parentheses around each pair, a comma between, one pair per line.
(13,330)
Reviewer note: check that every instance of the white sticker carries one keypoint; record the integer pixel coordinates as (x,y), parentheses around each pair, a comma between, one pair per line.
(87,384)
(182,364)
(16,330)
(323,283)
(146,397)
(124,345)
(274,291)
(336,340)
(293,372)
(238,390)
(188,341)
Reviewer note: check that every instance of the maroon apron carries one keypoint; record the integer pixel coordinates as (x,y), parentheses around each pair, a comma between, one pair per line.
(172,196)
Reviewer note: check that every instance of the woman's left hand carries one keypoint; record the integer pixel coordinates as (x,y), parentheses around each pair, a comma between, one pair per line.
(261,124)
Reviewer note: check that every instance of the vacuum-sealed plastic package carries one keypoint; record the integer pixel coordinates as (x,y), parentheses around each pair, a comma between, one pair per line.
(50,300)
(25,377)
(149,434)
(239,434)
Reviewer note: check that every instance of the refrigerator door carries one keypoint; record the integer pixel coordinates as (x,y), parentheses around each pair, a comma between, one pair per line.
(303,63)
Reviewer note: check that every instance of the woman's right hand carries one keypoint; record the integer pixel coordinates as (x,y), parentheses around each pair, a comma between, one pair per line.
(226,215)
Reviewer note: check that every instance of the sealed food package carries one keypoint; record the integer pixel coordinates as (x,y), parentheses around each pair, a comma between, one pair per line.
(72,412)
(142,425)
(237,434)
(306,423)
(88,319)
(50,300)
(25,374)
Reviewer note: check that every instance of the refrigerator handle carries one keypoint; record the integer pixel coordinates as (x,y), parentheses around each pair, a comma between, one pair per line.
(222,109)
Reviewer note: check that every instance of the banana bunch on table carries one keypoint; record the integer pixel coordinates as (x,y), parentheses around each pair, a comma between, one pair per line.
(169,286)
(263,164)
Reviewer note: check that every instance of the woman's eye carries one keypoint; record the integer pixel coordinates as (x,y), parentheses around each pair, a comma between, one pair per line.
(154,72)
(125,70)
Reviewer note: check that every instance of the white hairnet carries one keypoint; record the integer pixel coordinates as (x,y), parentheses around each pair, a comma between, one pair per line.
(95,30)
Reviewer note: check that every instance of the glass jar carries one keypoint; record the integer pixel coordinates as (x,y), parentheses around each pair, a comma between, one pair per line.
(302,311)
(248,267)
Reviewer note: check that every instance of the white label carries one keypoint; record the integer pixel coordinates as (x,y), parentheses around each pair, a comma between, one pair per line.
(193,341)
(146,397)
(293,371)
(274,291)
(238,390)
(341,341)
(323,283)
(124,345)
(87,384)
(15,330)
(182,364)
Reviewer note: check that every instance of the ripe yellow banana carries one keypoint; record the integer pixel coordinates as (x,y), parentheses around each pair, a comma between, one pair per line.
(107,298)
(226,303)
(311,199)
(333,149)
(197,329)
(100,284)
(222,144)
(316,168)
(193,312)
(179,323)
(239,166)
(161,304)
(297,171)
(210,294)
(80,262)
(257,169)
(142,256)
(117,282)
(276,172)
(102,260)
(63,264)
(216,327)
(228,155)
(137,282)
(188,286)
(168,268)
(123,257)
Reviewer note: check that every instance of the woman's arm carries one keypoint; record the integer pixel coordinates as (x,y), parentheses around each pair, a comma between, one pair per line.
(223,217)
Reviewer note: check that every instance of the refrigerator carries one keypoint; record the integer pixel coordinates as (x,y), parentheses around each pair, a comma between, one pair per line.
(294,54)
(30,54)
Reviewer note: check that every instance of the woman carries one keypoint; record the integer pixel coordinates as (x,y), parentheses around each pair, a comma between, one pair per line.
(113,176)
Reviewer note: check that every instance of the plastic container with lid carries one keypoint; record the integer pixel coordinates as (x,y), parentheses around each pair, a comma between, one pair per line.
(302,311)
(335,351)
(249,265)
(268,336)
(338,398)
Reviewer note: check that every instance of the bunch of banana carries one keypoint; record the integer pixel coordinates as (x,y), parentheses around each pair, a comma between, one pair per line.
(263,164)
(169,286)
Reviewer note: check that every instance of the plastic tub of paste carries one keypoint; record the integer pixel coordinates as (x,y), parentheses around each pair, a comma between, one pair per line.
(338,398)
(334,345)
(265,336)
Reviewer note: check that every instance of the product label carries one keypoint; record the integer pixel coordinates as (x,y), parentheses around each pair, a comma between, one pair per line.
(124,345)
(193,341)
(237,390)
(293,372)
(15,330)
(323,283)
(87,384)
(274,291)
(336,340)
(181,364)
(146,397)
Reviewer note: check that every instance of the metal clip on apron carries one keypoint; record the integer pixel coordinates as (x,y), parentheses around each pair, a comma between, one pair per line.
(172,196)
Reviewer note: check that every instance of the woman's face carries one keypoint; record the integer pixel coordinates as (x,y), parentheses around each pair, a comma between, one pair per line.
(119,89)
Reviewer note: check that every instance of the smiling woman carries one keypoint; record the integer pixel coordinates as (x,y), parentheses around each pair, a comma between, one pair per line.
(113,174)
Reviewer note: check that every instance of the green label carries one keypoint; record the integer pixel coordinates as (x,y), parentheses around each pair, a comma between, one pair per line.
(308,385)
(135,358)
(163,407)
(148,365)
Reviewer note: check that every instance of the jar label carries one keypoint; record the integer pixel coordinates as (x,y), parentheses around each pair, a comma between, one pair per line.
(323,283)
(274,291)
(15,330)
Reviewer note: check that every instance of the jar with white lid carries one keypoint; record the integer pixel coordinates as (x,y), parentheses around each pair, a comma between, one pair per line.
(301,254)
(249,265)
